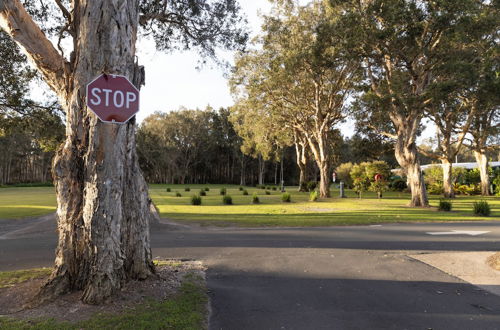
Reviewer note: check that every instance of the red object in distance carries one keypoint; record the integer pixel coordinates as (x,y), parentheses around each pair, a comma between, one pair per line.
(113,98)
(378,177)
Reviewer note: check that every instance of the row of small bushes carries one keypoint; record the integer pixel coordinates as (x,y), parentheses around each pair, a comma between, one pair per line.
(481,208)
(261,186)
(228,200)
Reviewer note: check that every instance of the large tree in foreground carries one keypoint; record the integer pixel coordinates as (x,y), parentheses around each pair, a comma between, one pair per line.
(103,205)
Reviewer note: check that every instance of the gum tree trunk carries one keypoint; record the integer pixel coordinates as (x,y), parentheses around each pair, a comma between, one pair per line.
(300,151)
(449,192)
(482,164)
(103,206)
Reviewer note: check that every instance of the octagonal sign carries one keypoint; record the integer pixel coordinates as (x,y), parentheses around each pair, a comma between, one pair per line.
(113,98)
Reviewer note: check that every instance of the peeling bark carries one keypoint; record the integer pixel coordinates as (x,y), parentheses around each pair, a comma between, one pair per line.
(448,192)
(482,164)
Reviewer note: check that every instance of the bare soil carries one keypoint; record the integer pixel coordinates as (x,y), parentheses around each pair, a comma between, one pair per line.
(14,300)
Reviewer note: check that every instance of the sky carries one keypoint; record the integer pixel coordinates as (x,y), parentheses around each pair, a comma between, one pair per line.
(173,80)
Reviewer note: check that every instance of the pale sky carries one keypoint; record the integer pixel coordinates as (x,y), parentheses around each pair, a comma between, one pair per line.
(172,80)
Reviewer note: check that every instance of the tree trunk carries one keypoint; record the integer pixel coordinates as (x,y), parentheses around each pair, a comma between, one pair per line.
(262,168)
(103,205)
(482,164)
(324,182)
(406,155)
(300,151)
(449,192)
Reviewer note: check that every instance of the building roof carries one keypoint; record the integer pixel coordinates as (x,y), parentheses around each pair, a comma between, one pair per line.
(468,166)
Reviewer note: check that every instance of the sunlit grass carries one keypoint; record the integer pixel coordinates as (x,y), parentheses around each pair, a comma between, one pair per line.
(301,212)
(16,202)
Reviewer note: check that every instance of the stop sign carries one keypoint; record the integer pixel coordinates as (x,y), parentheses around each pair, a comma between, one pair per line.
(113,98)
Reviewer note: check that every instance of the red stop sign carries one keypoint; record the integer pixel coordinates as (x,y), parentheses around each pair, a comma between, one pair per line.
(113,98)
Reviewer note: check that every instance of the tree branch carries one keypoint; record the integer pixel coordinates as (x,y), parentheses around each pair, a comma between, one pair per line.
(16,22)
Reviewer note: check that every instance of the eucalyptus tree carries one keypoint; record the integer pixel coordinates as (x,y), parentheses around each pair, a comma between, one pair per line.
(103,205)
(403,46)
(298,79)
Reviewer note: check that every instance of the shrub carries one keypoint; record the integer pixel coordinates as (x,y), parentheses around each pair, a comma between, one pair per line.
(255,199)
(359,178)
(435,188)
(303,186)
(286,198)
(496,183)
(275,188)
(169,190)
(245,192)
(444,205)
(202,192)
(207,189)
(379,187)
(398,184)
(223,191)
(313,196)
(311,185)
(227,200)
(187,189)
(268,188)
(343,174)
(240,188)
(481,208)
(178,194)
(268,192)
(261,186)
(196,200)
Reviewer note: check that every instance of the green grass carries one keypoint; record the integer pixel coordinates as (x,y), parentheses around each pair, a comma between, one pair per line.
(23,202)
(18,276)
(186,310)
(271,211)
(325,212)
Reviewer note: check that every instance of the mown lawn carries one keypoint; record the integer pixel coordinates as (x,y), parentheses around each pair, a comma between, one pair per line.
(23,202)
(300,212)
(35,201)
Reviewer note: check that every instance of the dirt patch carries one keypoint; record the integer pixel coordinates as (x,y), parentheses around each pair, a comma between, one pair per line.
(165,284)
(494,261)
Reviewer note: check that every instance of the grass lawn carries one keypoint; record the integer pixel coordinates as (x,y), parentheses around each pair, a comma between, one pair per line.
(186,310)
(300,212)
(23,202)
(34,201)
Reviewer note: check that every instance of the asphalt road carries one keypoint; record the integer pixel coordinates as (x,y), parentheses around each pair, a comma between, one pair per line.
(314,278)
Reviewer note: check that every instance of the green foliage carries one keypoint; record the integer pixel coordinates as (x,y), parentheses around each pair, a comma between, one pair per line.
(268,192)
(303,186)
(178,194)
(168,189)
(11,278)
(222,191)
(469,190)
(255,199)
(444,205)
(359,178)
(202,192)
(481,208)
(313,196)
(195,200)
(398,184)
(245,192)
(187,189)
(275,188)
(207,189)
(344,174)
(435,188)
(227,200)
(240,188)
(496,183)
(286,198)
(311,185)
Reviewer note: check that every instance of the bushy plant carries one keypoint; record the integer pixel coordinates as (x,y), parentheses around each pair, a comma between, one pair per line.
(178,194)
(379,186)
(268,187)
(343,172)
(359,178)
(496,184)
(311,185)
(196,200)
(240,188)
(223,191)
(207,189)
(303,186)
(435,188)
(444,205)
(245,192)
(202,192)
(481,208)
(398,184)
(268,192)
(261,186)
(255,199)
(469,190)
(169,190)
(187,189)
(227,200)
(313,196)
(275,188)
(286,198)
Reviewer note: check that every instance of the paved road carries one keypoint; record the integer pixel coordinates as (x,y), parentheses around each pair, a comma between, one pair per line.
(320,278)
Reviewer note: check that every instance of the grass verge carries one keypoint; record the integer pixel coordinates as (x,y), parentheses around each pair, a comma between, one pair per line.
(186,310)
(11,278)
